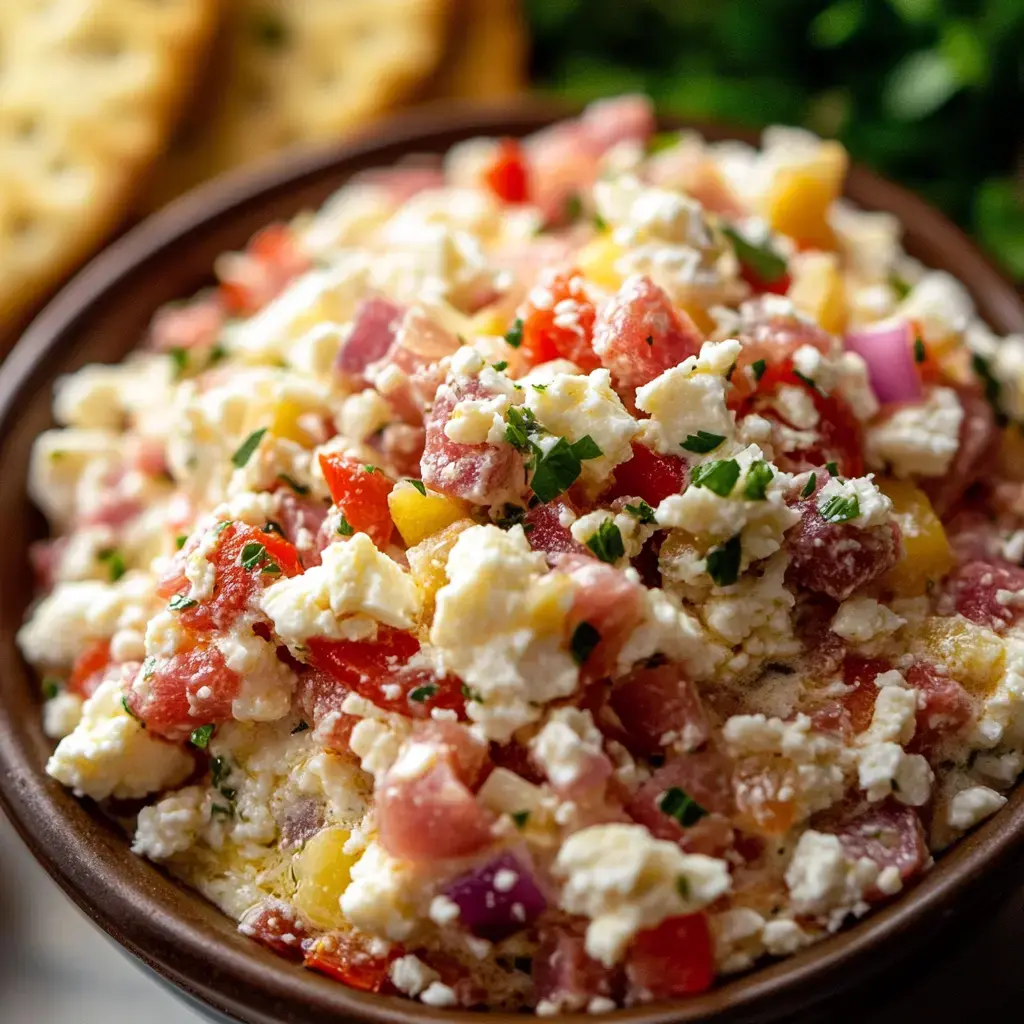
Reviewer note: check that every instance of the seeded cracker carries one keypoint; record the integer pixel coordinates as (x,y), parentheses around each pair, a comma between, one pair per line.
(89,90)
(304,71)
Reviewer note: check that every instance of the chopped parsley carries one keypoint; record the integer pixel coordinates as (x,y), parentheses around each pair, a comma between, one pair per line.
(557,469)
(991,386)
(661,141)
(51,686)
(515,333)
(272,526)
(181,540)
(423,693)
(678,804)
(586,448)
(345,528)
(254,556)
(812,482)
(512,515)
(220,811)
(584,639)
(718,475)
(606,542)
(470,694)
(539,387)
(301,727)
(114,561)
(520,818)
(758,366)
(833,468)
(768,266)
(702,442)
(600,224)
(900,286)
(201,736)
(723,563)
(179,361)
(418,484)
(759,476)
(920,355)
(369,468)
(148,667)
(807,380)
(219,769)
(300,489)
(128,711)
(180,602)
(683,887)
(222,526)
(247,447)
(641,512)
(503,365)
(840,508)
(520,424)
(573,208)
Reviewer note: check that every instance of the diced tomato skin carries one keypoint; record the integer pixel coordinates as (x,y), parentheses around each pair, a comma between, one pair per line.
(367,666)
(507,176)
(545,532)
(943,705)
(780,286)
(361,494)
(320,696)
(340,957)
(674,959)
(544,339)
(563,973)
(976,586)
(648,475)
(87,672)
(659,702)
(277,925)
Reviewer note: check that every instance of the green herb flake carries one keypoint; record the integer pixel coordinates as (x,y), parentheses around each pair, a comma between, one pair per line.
(723,563)
(718,475)
(683,887)
(807,380)
(247,447)
(345,528)
(418,484)
(702,442)
(272,526)
(555,470)
(503,365)
(812,482)
(148,667)
(519,426)
(661,141)
(600,224)
(991,386)
(678,804)
(641,512)
(840,508)
(759,476)
(50,686)
(515,333)
(920,355)
(179,361)
(511,515)
(220,769)
(606,542)
(252,556)
(180,602)
(114,561)
(573,208)
(468,693)
(833,468)
(222,526)
(128,711)
(369,468)
(217,353)
(520,818)
(220,811)
(586,448)
(766,264)
(423,693)
(181,540)
(758,366)
(900,286)
(541,388)
(584,639)
(300,489)
(201,736)
(301,727)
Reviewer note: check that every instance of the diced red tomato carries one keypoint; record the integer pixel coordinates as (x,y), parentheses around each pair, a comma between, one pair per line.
(649,476)
(976,586)
(889,833)
(674,959)
(564,975)
(658,707)
(813,625)
(191,688)
(837,558)
(860,672)
(344,958)
(187,325)
(361,493)
(607,601)
(373,331)
(235,585)
(507,175)
(485,474)
(545,532)
(372,668)
(249,280)
(639,334)
(89,668)
(276,925)
(544,336)
(320,696)
(760,286)
(943,705)
(432,814)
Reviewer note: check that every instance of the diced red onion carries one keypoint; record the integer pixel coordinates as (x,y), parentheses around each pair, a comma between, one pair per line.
(887,350)
(498,898)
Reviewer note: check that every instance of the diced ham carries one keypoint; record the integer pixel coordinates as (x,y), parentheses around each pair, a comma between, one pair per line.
(485,474)
(45,557)
(943,705)
(372,333)
(251,279)
(564,976)
(320,696)
(606,123)
(658,708)
(974,537)
(187,325)
(674,959)
(545,532)
(981,589)
(302,520)
(638,335)
(299,820)
(837,558)
(649,476)
(277,925)
(404,180)
(687,168)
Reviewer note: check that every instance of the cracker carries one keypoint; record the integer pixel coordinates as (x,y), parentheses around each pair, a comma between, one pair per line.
(89,92)
(488,53)
(305,71)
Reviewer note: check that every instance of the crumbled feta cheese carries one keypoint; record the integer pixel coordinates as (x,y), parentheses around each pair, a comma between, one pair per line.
(379,738)
(625,880)
(822,880)
(894,716)
(885,768)
(939,304)
(874,506)
(363,414)
(265,693)
(411,976)
(385,895)
(737,933)
(172,825)
(862,619)
(917,440)
(973,805)
(1001,770)
(783,936)
(634,534)
(439,996)
(61,714)
(566,746)
(353,579)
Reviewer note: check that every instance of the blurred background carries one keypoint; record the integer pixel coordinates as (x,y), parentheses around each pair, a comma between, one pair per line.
(110,108)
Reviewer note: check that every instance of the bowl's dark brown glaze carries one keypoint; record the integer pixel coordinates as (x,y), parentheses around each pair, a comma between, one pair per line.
(100,316)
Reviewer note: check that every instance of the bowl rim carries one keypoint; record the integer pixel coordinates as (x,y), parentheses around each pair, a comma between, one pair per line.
(258,986)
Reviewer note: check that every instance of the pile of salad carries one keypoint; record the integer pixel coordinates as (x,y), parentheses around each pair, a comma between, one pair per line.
(557,577)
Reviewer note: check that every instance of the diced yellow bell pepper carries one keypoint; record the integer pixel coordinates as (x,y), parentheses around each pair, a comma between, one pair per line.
(550,600)
(926,552)
(817,289)
(323,870)
(701,317)
(488,322)
(418,516)
(596,261)
(428,559)
(974,656)
(798,200)
(285,423)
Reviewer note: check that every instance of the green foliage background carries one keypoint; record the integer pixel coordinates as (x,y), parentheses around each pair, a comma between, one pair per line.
(929,92)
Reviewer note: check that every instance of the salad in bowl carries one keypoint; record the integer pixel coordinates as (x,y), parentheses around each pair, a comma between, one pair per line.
(555,578)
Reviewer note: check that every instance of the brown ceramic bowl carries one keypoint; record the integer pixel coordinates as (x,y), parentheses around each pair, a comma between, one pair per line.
(100,316)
